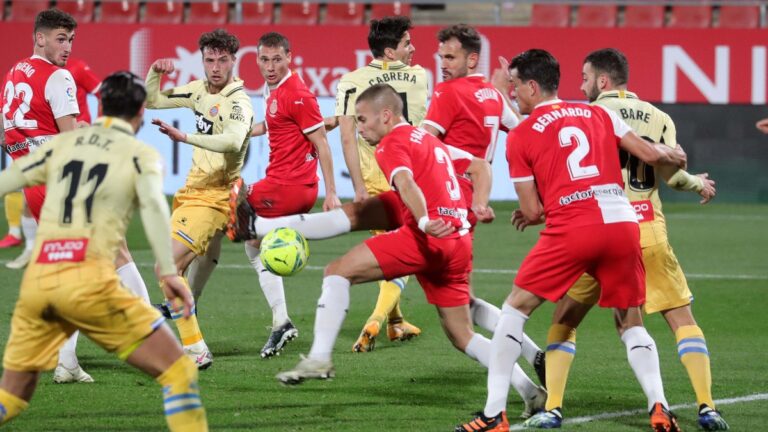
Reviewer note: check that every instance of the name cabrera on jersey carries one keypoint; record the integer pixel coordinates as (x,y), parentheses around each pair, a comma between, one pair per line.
(640,179)
(469,112)
(35,93)
(571,152)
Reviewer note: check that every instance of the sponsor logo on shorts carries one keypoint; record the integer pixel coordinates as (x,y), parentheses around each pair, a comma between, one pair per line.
(644,210)
(64,250)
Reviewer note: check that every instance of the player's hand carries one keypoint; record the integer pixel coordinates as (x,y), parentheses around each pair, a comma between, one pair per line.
(163,66)
(330,123)
(484,213)
(681,157)
(175,290)
(331,202)
(500,78)
(520,222)
(439,228)
(82,124)
(708,192)
(762,125)
(361,195)
(169,130)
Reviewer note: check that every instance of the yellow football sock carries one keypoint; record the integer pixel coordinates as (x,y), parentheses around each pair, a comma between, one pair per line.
(389,297)
(181,397)
(692,349)
(14,205)
(396,313)
(561,348)
(189,329)
(10,406)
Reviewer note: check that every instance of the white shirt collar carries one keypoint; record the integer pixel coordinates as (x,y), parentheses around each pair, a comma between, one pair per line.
(400,124)
(35,56)
(549,102)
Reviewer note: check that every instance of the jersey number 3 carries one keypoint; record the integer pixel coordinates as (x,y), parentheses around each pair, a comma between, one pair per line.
(74,170)
(453,185)
(567,136)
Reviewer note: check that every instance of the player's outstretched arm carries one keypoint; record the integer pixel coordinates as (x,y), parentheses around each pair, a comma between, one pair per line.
(479,171)
(653,153)
(531,210)
(229,140)
(413,198)
(331,123)
(176,97)
(352,156)
(28,170)
(318,138)
(258,129)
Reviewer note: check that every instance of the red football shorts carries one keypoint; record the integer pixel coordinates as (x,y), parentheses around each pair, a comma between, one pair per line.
(610,253)
(441,266)
(270,199)
(35,196)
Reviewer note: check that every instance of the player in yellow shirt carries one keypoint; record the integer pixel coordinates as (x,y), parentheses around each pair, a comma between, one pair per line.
(392,50)
(605,75)
(96,177)
(223,117)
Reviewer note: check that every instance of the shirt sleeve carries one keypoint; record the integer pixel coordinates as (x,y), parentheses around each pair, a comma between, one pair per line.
(520,169)
(669,135)
(61,94)
(393,157)
(305,112)
(461,159)
(508,118)
(441,110)
(177,97)
(153,208)
(87,80)
(620,127)
(346,97)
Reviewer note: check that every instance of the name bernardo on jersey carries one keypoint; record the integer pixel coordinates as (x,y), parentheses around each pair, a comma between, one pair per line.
(545,120)
(393,76)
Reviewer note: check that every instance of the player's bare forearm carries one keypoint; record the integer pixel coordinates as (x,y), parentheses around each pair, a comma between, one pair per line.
(531,208)
(352,156)
(320,141)
(479,172)
(258,129)
(411,194)
(330,123)
(66,123)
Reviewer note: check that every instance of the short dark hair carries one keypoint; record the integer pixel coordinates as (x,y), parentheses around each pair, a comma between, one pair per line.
(274,40)
(219,40)
(538,65)
(386,33)
(466,35)
(122,95)
(383,95)
(612,62)
(54,19)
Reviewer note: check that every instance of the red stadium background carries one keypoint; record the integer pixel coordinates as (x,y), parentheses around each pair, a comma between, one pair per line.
(716,66)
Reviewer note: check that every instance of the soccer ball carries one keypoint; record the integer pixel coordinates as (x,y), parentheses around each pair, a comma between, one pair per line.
(284,251)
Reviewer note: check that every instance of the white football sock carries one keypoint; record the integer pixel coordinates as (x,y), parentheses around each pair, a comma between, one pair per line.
(272,287)
(201,268)
(644,360)
(331,310)
(486,315)
(131,279)
(506,346)
(15,231)
(29,227)
(479,348)
(67,355)
(313,226)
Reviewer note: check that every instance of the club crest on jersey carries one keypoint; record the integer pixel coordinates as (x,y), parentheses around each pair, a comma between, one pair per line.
(214,111)
(203,125)
(273,107)
(64,250)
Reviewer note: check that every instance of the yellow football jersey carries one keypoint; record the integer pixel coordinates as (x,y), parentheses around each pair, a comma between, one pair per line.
(95,177)
(411,84)
(210,170)
(641,181)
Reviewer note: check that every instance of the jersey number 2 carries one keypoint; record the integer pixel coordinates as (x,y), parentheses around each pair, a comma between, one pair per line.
(74,170)
(23,92)
(567,136)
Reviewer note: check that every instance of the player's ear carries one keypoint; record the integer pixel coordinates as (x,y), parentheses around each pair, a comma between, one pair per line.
(472,60)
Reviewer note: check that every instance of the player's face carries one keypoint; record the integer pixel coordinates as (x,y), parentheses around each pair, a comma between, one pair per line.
(56,45)
(405,49)
(453,59)
(218,67)
(589,82)
(369,123)
(524,92)
(274,63)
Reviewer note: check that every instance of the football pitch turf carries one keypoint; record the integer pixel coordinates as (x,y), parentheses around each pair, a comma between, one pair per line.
(425,384)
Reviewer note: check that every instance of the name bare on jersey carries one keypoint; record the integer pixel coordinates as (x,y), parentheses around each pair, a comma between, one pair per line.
(393,76)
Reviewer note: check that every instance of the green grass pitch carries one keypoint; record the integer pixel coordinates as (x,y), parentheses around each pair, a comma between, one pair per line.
(425,384)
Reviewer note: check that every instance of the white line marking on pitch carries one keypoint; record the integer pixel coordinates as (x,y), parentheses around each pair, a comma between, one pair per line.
(617,414)
(694,276)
